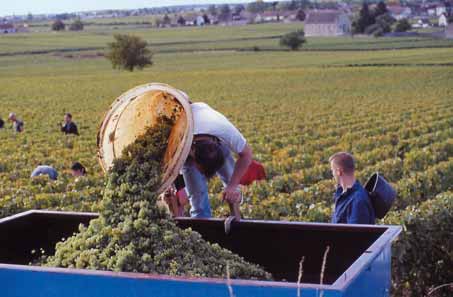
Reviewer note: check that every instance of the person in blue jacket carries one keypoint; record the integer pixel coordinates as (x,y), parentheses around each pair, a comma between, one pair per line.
(352,203)
(45,170)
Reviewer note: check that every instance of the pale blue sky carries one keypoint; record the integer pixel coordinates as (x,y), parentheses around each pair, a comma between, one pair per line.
(21,7)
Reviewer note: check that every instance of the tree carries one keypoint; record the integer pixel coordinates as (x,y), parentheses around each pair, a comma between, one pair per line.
(402,25)
(364,20)
(293,5)
(381,9)
(304,4)
(29,17)
(158,22)
(181,21)
(293,40)
(238,9)
(283,6)
(77,25)
(58,25)
(385,21)
(257,7)
(206,19)
(381,26)
(166,20)
(274,6)
(300,16)
(128,52)
(212,9)
(225,12)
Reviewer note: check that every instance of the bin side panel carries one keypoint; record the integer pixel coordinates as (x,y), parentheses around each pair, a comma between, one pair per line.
(29,283)
(375,279)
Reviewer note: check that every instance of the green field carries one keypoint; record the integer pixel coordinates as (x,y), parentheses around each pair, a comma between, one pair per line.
(392,109)
(189,39)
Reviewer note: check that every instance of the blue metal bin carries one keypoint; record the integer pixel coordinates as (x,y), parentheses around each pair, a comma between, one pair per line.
(358,263)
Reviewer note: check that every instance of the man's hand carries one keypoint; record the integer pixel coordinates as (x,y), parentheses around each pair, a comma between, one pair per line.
(169,195)
(231,194)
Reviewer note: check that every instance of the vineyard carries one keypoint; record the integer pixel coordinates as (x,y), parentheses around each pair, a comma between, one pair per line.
(295,109)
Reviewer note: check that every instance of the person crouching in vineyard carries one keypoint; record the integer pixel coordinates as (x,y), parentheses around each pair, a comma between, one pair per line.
(45,170)
(215,139)
(352,203)
(18,125)
(78,170)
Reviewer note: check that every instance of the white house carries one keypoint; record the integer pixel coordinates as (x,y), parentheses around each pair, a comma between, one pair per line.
(431,11)
(258,18)
(327,23)
(190,20)
(443,21)
(399,12)
(200,21)
(271,16)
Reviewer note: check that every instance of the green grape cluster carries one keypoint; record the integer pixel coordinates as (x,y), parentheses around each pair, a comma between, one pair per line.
(133,234)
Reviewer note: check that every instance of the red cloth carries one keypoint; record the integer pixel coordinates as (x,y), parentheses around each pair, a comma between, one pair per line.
(254,172)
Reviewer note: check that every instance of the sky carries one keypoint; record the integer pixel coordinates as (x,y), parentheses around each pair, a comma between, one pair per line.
(22,7)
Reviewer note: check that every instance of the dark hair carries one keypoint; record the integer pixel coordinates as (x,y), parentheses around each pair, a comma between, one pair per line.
(78,167)
(209,156)
(2,123)
(344,160)
(69,116)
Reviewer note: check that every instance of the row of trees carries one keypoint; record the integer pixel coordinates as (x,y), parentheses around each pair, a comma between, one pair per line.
(377,21)
(373,21)
(59,25)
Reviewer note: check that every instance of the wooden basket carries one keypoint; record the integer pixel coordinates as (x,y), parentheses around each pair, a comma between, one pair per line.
(134,111)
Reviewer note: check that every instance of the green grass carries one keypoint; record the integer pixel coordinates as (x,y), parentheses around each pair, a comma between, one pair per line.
(100,37)
(52,64)
(264,36)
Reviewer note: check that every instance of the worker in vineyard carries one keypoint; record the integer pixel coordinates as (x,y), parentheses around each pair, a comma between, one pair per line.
(78,170)
(18,125)
(215,139)
(352,203)
(176,198)
(69,127)
(45,170)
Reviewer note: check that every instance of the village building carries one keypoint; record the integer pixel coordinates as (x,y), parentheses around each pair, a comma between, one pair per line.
(441,9)
(443,21)
(327,23)
(399,12)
